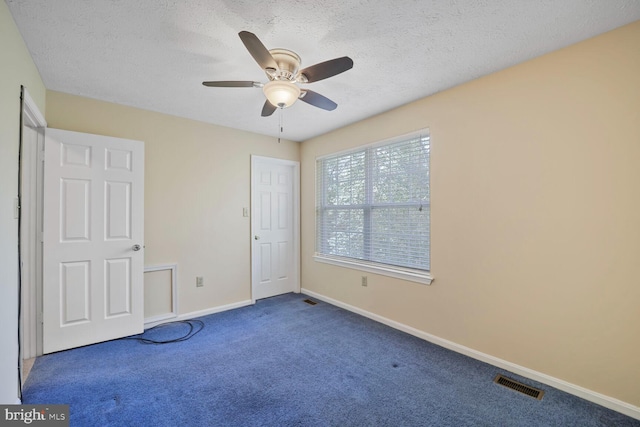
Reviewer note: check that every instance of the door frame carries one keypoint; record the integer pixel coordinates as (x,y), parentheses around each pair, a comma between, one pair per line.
(295,165)
(31,169)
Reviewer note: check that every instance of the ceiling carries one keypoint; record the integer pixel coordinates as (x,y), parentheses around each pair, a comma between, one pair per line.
(155,54)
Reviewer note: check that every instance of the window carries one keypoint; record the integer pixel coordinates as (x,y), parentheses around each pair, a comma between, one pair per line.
(372,208)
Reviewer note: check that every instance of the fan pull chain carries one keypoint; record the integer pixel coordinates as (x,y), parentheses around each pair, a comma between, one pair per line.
(280,125)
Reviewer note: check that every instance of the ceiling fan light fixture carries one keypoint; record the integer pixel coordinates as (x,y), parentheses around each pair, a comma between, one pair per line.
(281,93)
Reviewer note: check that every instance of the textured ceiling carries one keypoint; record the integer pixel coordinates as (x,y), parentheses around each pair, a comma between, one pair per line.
(154,54)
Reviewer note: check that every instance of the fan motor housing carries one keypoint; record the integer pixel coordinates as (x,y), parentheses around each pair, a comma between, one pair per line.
(288,65)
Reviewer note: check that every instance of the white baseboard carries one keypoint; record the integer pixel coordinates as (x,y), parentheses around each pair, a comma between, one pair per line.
(194,314)
(592,396)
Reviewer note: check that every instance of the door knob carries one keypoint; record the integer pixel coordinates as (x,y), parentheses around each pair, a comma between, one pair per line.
(136,247)
(256,237)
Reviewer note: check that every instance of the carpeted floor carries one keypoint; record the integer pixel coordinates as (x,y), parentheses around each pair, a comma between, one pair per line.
(283,362)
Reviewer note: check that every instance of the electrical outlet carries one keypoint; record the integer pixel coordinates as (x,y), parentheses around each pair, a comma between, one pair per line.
(199,282)
(364,281)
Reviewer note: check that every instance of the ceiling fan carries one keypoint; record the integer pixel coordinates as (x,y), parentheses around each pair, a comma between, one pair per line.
(282,68)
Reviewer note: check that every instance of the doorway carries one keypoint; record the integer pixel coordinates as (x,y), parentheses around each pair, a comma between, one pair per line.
(31,179)
(30,249)
(118,227)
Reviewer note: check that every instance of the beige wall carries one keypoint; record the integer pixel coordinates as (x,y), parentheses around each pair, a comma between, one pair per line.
(16,68)
(197,180)
(535,216)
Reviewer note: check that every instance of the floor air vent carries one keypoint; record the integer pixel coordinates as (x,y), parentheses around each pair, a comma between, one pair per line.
(310,302)
(519,387)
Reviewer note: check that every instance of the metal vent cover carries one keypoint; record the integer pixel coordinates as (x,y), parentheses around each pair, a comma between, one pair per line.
(519,387)
(310,302)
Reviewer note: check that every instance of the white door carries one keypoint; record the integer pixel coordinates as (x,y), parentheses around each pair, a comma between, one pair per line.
(275,227)
(93,225)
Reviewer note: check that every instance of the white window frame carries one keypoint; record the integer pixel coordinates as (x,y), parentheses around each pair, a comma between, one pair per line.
(410,274)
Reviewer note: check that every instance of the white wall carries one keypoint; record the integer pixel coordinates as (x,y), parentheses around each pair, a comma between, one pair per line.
(16,68)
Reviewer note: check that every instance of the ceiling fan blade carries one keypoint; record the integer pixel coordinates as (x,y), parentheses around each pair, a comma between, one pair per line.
(317,100)
(231,83)
(257,50)
(268,109)
(327,69)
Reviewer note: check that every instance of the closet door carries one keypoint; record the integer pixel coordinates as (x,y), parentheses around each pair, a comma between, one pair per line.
(275,225)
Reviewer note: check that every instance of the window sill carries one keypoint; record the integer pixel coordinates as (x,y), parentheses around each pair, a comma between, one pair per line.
(386,270)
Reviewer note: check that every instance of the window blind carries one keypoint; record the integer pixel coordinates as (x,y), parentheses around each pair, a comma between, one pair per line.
(372,204)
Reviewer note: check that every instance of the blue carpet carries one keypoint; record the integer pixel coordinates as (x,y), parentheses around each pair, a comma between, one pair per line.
(283,362)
